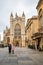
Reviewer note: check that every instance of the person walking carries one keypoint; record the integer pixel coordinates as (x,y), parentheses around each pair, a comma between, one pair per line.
(12,47)
(9,48)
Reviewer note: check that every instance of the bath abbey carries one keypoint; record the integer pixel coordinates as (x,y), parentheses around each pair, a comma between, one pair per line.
(23,36)
(16,33)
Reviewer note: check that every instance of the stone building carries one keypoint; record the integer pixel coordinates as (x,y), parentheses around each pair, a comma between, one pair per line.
(16,31)
(40,20)
(6,36)
(34,28)
(39,36)
(31,29)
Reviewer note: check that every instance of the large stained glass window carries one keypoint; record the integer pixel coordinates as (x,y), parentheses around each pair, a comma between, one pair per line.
(17,31)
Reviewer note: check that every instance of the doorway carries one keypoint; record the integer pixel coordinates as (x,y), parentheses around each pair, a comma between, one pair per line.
(17,44)
(39,39)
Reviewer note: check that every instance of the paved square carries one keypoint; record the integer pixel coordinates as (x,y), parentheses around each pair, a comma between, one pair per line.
(22,56)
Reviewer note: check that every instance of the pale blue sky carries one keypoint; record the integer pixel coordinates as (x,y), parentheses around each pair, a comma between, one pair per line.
(8,6)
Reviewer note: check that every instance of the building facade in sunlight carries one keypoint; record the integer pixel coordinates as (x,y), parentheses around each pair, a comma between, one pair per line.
(31,29)
(40,20)
(34,28)
(16,33)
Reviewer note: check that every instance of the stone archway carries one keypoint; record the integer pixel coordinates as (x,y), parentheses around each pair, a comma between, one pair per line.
(17,43)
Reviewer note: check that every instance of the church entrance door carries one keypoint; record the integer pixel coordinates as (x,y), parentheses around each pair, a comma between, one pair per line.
(17,43)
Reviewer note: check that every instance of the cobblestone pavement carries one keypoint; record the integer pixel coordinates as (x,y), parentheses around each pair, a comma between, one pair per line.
(21,56)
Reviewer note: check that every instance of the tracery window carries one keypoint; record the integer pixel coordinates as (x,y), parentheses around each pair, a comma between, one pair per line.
(17,31)
(8,39)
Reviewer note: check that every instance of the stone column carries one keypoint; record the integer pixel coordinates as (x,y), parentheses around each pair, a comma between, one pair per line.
(36,42)
(23,41)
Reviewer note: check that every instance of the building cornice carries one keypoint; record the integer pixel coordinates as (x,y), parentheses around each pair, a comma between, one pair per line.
(29,21)
(39,3)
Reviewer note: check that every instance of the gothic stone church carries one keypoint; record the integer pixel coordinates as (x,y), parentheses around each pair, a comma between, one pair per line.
(16,33)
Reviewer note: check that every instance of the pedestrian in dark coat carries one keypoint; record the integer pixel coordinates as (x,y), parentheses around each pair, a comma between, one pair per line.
(9,48)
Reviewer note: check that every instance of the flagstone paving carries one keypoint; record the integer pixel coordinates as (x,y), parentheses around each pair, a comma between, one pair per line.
(21,56)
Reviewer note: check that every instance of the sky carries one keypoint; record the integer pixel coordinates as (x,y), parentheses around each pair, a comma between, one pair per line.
(8,6)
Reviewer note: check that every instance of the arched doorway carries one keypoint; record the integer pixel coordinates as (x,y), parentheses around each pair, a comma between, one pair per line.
(17,43)
(38,45)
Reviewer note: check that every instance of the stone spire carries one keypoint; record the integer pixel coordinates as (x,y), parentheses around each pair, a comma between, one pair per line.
(11,17)
(23,15)
(16,15)
(11,14)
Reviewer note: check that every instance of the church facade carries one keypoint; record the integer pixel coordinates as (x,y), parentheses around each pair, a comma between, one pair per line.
(16,31)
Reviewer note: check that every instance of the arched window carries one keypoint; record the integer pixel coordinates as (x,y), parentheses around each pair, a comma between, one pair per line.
(17,31)
(40,17)
(8,39)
